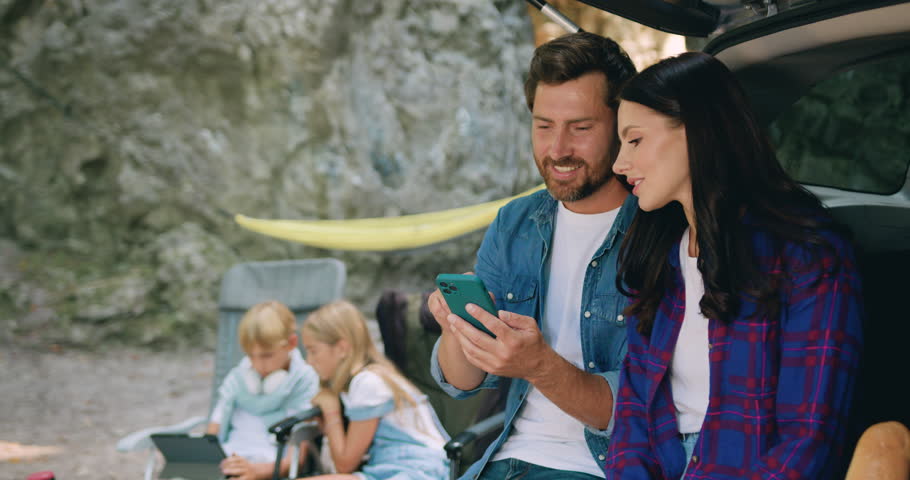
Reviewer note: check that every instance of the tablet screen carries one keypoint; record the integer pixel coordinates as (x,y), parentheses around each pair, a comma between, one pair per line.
(184,448)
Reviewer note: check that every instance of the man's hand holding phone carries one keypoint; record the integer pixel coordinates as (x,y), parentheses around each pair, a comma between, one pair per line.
(460,290)
(497,342)
(440,308)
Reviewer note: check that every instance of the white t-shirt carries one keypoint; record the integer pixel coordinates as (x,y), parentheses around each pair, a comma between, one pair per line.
(542,433)
(368,391)
(690,368)
(249,438)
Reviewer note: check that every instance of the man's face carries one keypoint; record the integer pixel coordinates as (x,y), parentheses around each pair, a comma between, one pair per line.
(573,132)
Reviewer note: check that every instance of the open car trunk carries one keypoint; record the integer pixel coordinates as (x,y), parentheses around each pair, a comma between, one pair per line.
(703,18)
(829,80)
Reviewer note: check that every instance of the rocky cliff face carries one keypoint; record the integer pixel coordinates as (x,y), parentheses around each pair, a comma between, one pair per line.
(129,128)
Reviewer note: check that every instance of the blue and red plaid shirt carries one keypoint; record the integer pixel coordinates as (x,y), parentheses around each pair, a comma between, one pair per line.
(781,388)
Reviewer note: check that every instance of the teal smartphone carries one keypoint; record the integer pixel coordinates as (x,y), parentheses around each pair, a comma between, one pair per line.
(460,290)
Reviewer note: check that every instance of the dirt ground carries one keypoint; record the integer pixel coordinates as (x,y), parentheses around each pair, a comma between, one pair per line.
(80,404)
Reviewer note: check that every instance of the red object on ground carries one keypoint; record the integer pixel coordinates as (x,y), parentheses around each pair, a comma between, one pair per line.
(45,475)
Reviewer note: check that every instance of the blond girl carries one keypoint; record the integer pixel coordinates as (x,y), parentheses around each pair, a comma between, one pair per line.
(386,415)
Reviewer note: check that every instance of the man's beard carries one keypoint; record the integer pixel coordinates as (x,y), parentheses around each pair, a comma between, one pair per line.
(566,192)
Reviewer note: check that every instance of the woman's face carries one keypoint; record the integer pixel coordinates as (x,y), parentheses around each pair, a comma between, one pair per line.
(653,157)
(323,357)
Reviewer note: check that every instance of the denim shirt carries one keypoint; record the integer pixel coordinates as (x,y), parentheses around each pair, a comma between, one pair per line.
(513,264)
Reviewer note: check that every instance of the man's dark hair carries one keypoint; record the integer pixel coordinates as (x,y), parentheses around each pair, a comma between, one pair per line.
(573,55)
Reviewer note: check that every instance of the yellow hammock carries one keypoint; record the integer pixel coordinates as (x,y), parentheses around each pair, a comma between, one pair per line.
(382,234)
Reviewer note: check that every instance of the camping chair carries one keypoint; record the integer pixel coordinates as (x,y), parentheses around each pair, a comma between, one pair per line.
(408,334)
(302,285)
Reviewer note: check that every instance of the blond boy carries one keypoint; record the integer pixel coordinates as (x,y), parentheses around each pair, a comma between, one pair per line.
(272,382)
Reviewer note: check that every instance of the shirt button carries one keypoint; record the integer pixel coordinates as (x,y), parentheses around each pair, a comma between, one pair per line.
(509,295)
(710,346)
(619,318)
(694,459)
(587,314)
(594,263)
(601,457)
(590,364)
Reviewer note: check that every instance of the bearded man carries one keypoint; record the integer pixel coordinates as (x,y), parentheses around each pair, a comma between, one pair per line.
(549,259)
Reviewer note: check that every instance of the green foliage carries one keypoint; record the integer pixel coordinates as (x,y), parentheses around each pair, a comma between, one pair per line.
(850,131)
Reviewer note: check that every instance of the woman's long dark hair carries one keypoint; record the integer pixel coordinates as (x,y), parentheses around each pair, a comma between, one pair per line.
(738,186)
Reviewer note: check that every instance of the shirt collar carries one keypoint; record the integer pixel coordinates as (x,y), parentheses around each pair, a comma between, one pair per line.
(546,211)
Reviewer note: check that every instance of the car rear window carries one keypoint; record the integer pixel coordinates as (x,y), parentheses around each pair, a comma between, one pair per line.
(850,131)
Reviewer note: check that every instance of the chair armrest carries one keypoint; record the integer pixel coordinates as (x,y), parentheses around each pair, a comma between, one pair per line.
(295,428)
(284,427)
(304,431)
(141,439)
(456,445)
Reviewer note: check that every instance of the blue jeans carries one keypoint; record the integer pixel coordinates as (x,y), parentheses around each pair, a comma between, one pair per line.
(688,442)
(514,469)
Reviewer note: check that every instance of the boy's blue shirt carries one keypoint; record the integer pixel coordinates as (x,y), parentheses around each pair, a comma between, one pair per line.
(294,394)
(513,262)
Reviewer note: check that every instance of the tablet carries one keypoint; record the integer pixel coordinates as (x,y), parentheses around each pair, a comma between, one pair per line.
(192,457)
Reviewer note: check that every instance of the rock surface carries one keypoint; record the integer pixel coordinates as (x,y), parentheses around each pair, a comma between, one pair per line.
(130,128)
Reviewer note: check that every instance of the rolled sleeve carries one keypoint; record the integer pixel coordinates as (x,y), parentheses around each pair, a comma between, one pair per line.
(370,411)
(489,382)
(612,378)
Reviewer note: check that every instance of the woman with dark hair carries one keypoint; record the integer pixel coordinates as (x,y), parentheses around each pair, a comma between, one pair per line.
(744,320)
